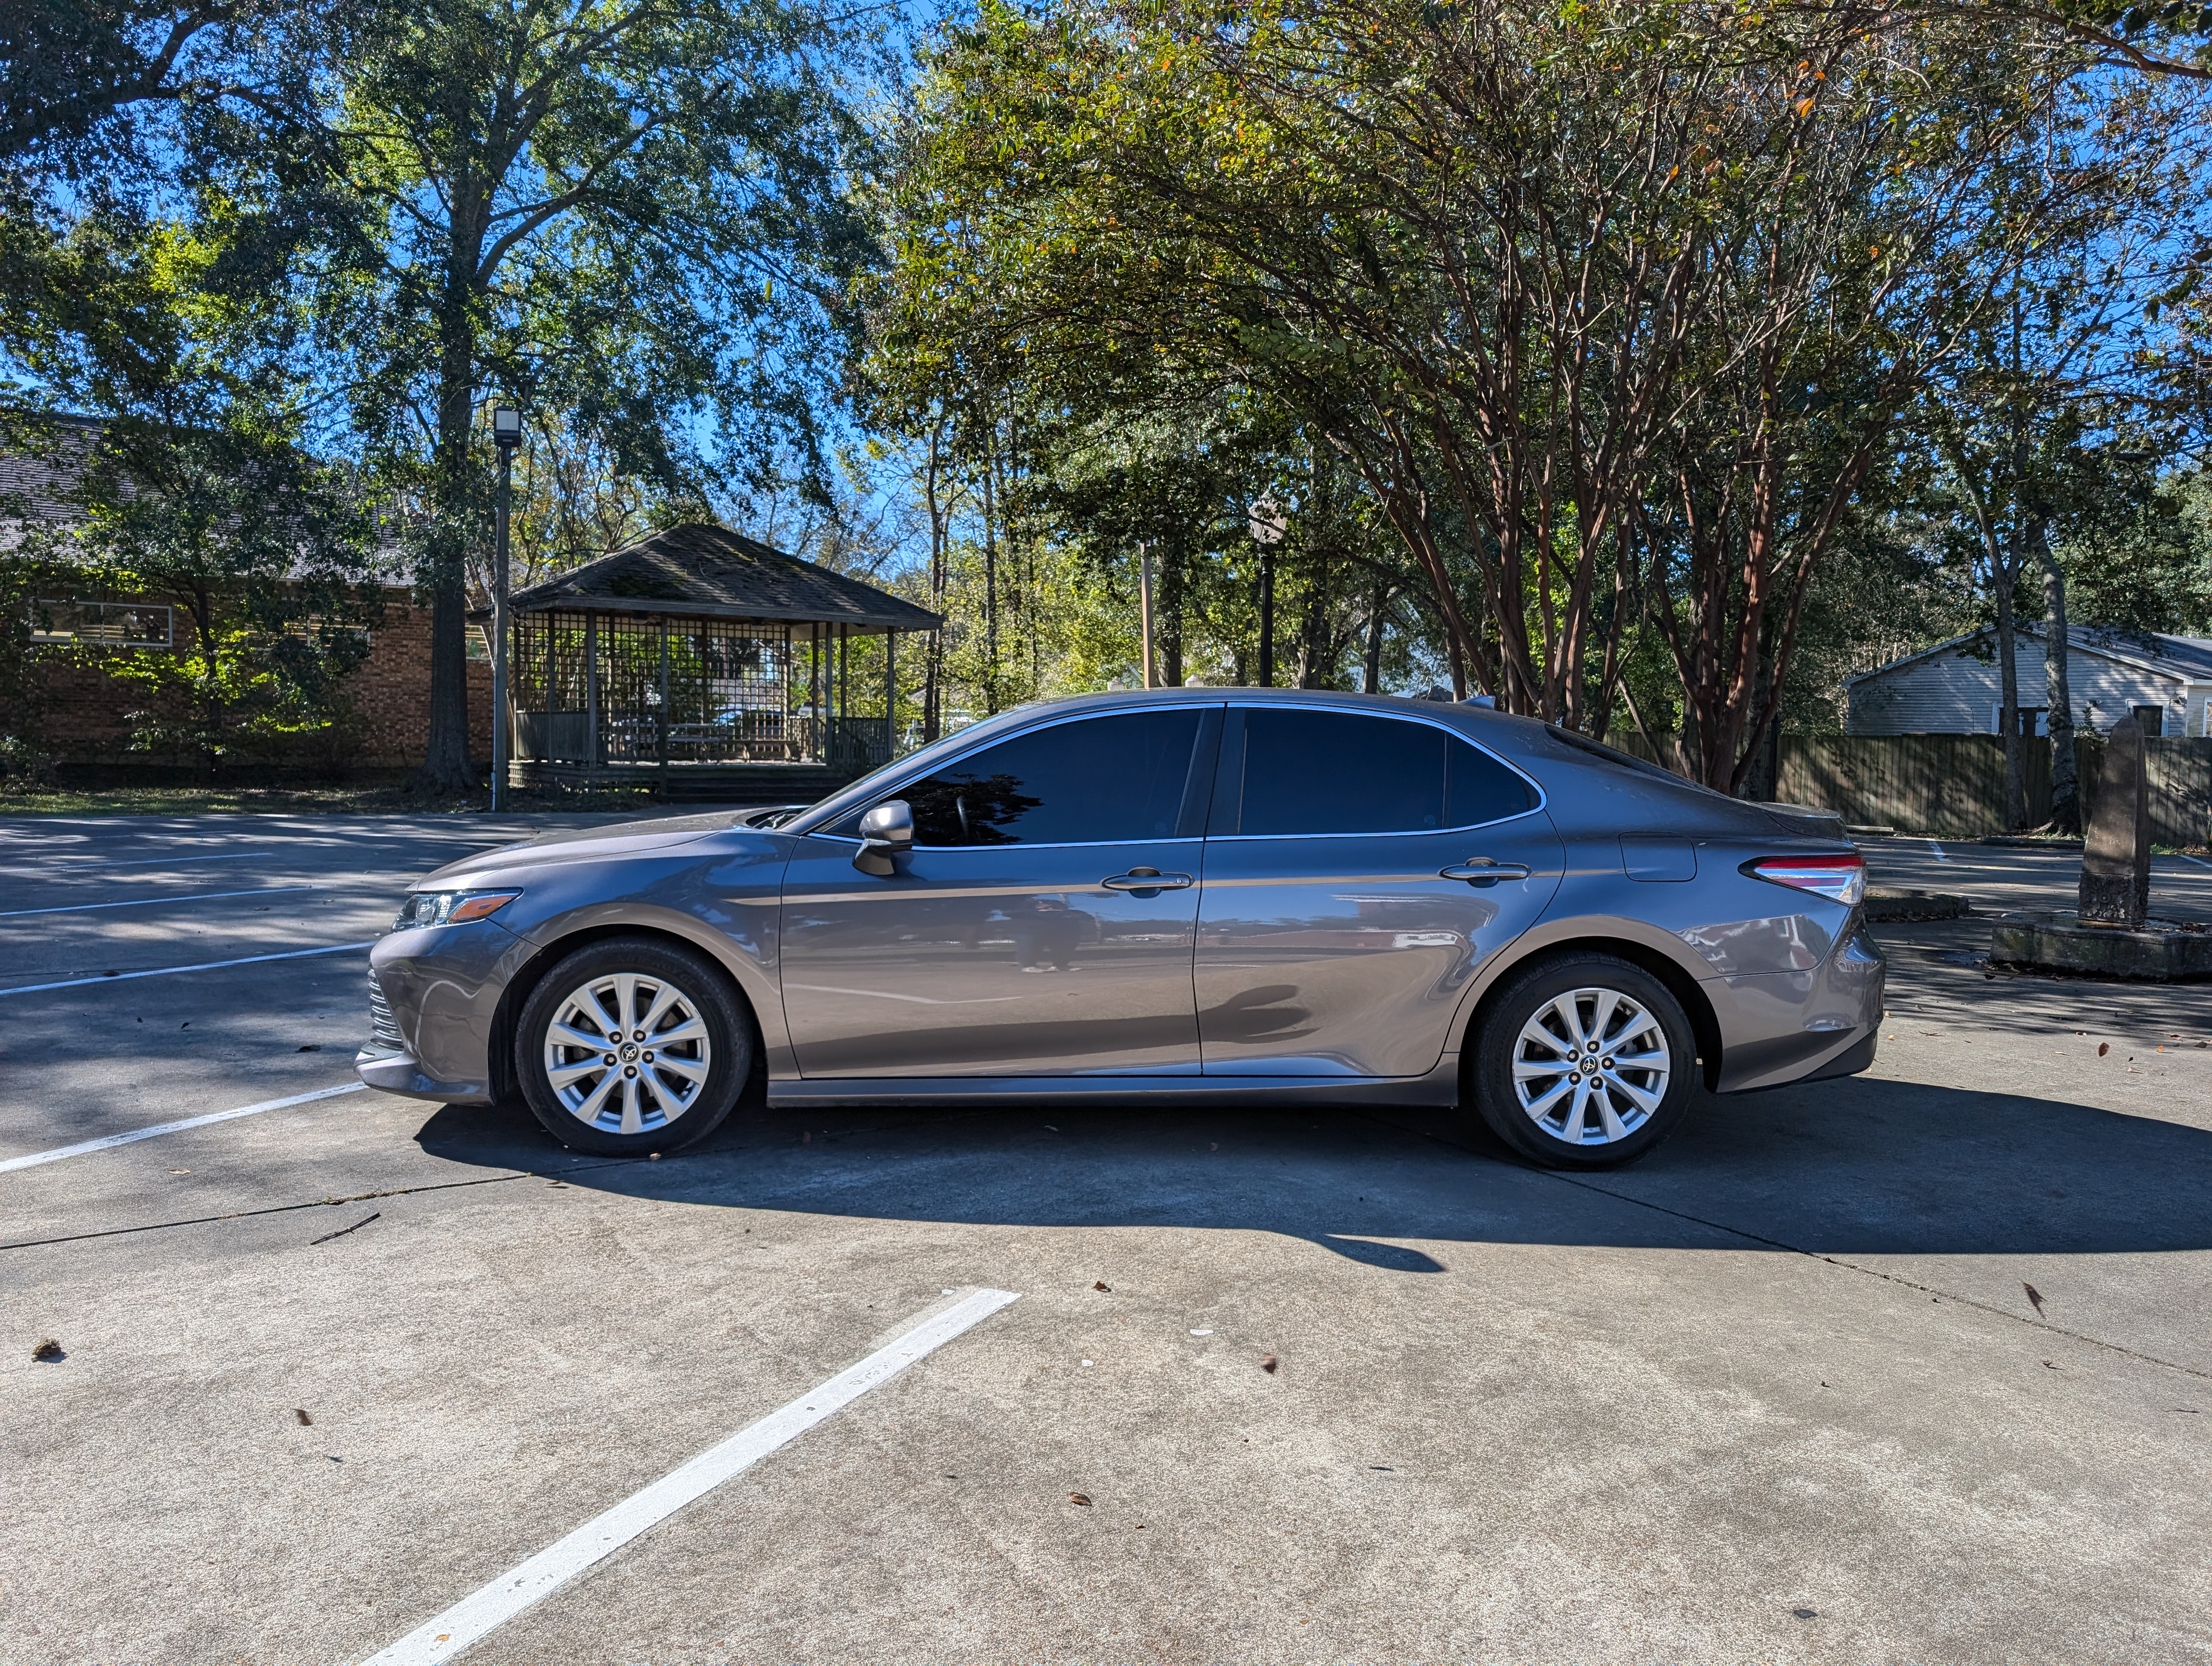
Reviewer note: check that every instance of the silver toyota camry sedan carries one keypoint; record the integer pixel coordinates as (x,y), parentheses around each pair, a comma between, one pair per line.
(1246,895)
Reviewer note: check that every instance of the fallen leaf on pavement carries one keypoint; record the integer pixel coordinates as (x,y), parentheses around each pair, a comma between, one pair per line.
(2103,1048)
(1083,1499)
(47,1350)
(2033,1297)
(1103,1285)
(306,1422)
(1268,1362)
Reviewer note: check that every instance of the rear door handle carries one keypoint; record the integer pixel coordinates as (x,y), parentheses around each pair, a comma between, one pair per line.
(1482,871)
(1147,879)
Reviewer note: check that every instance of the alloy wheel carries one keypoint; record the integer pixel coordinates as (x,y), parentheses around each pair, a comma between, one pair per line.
(1590,1066)
(627,1053)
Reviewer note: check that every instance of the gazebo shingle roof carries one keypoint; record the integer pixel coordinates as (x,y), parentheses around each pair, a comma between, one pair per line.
(711,572)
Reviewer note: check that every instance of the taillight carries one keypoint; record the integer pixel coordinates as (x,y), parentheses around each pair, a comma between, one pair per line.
(1839,878)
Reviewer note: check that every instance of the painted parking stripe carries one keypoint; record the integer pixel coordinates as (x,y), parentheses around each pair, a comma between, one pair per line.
(145,902)
(57,865)
(202,966)
(1938,849)
(178,1126)
(521,1586)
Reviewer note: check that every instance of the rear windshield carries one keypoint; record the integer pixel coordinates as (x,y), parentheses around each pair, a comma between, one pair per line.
(1598,749)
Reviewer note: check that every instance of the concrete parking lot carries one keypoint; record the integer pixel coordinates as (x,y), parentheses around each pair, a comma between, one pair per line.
(1780,1393)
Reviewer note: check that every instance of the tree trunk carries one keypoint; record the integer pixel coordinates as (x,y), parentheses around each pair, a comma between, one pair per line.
(990,590)
(1370,679)
(446,764)
(2065,787)
(2009,708)
(932,667)
(1167,618)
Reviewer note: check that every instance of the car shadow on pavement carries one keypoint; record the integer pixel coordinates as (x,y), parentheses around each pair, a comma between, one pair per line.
(1853,1166)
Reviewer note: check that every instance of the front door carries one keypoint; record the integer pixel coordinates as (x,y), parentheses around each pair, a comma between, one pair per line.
(1349,896)
(1020,936)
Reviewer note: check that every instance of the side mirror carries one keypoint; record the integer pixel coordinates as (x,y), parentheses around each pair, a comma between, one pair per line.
(885,831)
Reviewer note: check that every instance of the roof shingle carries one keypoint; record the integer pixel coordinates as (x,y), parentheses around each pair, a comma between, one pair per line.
(711,572)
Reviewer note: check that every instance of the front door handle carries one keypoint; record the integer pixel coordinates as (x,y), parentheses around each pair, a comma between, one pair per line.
(1482,871)
(1148,881)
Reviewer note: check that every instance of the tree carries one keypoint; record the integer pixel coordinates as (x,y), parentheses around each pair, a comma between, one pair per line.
(1612,313)
(2080,359)
(627,218)
(196,486)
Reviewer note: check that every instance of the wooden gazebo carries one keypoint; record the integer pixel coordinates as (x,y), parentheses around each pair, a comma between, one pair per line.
(704,662)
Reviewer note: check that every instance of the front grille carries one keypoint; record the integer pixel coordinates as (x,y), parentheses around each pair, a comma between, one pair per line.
(383,1028)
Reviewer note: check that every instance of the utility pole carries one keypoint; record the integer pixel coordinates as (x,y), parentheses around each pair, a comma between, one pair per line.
(506,435)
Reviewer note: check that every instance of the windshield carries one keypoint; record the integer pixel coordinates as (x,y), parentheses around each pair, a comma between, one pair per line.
(860,792)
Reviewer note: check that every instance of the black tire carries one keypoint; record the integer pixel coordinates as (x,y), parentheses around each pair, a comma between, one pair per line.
(1620,1080)
(668,1095)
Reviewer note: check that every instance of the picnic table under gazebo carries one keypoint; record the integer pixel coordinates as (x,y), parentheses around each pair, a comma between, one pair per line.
(707,664)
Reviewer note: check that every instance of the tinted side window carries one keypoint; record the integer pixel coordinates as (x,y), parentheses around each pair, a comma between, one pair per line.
(1344,772)
(1099,780)
(1478,789)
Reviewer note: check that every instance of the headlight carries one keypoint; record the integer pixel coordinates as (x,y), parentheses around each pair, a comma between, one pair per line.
(450,907)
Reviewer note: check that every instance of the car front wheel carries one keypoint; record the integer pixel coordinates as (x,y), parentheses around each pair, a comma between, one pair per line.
(629,1046)
(1584,1062)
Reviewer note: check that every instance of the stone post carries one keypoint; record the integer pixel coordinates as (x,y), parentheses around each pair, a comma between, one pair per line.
(2116,856)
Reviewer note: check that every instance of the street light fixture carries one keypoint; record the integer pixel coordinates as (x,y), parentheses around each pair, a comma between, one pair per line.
(506,435)
(1265,518)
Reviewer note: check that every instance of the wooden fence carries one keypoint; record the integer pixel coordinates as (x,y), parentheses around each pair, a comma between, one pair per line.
(1953,785)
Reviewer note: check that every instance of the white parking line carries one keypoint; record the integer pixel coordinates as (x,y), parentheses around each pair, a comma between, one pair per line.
(519,1587)
(86,863)
(1938,849)
(142,902)
(158,1128)
(2187,858)
(203,966)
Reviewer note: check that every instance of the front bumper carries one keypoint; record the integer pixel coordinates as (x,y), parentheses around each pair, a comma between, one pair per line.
(398,1073)
(434,996)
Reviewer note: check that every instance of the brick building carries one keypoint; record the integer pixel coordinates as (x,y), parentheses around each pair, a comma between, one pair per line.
(85,720)
(83,713)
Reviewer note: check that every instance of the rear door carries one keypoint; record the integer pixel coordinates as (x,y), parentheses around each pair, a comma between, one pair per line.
(1020,936)
(1358,869)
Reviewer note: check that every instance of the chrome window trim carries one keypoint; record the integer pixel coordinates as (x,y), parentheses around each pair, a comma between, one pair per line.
(1542,797)
(1000,739)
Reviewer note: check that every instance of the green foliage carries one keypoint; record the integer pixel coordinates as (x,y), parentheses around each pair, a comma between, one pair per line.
(197,490)
(2140,557)
(1611,313)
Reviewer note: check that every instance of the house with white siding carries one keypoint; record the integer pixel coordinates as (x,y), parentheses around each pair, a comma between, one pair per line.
(1953,687)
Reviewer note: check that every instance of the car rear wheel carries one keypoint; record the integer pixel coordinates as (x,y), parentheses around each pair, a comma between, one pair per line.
(1584,1062)
(630,1046)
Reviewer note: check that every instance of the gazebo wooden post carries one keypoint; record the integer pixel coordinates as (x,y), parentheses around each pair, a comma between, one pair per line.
(663,725)
(890,695)
(816,719)
(597,755)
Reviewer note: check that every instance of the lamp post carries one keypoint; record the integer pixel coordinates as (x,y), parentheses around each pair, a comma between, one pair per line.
(506,435)
(1266,521)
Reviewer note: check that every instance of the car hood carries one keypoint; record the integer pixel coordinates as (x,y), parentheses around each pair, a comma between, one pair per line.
(581,844)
